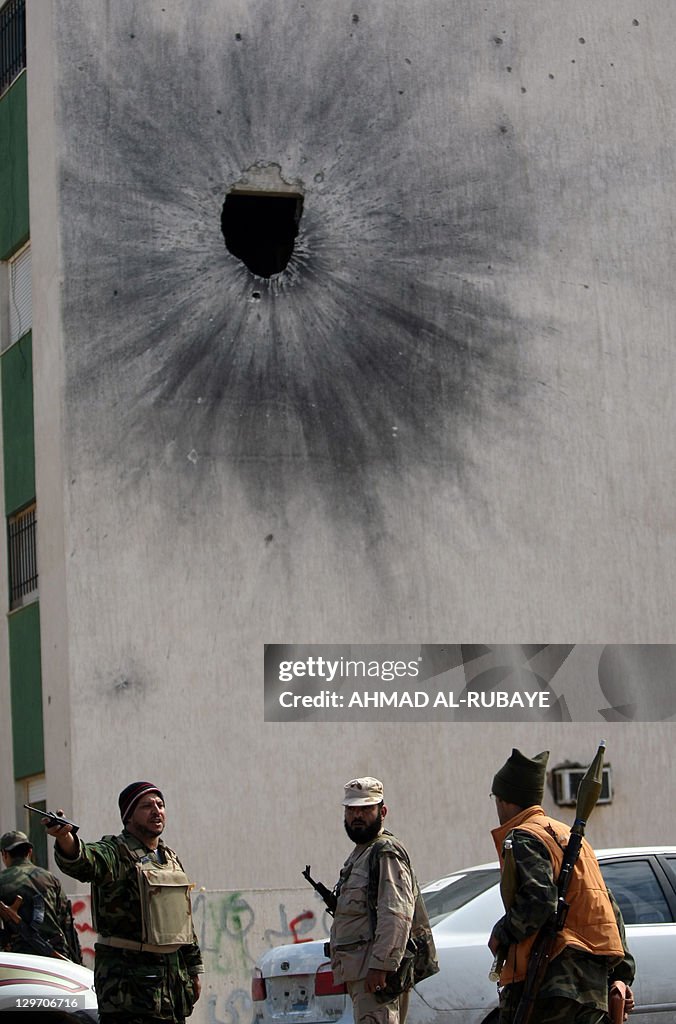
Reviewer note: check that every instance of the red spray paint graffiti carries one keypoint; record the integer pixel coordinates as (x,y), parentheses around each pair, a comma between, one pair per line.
(83,922)
(307,915)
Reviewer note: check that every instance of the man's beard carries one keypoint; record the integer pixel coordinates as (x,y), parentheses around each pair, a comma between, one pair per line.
(365,833)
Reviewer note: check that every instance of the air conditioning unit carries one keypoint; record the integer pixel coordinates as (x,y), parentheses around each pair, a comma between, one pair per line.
(567,778)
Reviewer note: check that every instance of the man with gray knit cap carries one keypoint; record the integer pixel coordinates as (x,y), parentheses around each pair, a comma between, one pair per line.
(590,957)
(148,964)
(371,928)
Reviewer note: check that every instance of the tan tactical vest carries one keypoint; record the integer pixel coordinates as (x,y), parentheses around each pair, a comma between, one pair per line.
(591,924)
(166,914)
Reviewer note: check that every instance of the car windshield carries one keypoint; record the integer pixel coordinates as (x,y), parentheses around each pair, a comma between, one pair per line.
(458,891)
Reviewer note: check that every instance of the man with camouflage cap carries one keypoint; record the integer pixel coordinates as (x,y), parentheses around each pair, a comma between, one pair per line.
(590,958)
(44,907)
(373,918)
(148,964)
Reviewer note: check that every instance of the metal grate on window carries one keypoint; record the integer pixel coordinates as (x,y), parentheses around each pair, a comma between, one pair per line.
(20,295)
(23,565)
(12,41)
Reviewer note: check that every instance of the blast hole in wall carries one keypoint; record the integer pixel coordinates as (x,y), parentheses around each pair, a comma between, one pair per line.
(260,229)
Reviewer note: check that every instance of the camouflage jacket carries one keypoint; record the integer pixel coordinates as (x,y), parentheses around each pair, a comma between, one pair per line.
(116,903)
(45,907)
(355,949)
(573,974)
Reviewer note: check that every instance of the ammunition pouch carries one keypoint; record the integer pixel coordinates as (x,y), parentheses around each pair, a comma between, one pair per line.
(412,968)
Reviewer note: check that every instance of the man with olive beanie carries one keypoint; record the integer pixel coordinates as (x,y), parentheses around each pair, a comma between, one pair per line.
(148,964)
(590,955)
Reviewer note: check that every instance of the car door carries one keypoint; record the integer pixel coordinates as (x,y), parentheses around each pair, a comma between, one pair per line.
(647,899)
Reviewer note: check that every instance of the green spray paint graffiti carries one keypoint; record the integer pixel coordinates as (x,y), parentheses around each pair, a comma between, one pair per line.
(231,939)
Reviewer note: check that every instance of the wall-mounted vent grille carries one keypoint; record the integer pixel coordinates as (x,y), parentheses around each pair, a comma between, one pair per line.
(566,780)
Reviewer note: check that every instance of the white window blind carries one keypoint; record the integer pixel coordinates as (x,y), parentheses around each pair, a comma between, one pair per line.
(20,295)
(37,789)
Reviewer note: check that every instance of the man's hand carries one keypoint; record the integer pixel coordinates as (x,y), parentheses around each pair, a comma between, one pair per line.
(63,834)
(196,980)
(375,981)
(620,1002)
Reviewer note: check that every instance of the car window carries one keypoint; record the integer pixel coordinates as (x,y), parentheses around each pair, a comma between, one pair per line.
(635,887)
(459,891)
(671,861)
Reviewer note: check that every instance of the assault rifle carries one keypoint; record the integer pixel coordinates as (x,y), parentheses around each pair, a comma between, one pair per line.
(588,793)
(28,932)
(329,897)
(54,819)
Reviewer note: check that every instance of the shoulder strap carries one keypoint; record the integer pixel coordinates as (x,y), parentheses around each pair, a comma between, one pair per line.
(385,843)
(344,875)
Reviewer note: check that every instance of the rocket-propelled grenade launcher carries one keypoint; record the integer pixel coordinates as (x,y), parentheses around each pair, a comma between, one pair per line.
(588,793)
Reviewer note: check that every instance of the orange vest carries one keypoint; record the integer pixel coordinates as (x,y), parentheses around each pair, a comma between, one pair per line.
(590,924)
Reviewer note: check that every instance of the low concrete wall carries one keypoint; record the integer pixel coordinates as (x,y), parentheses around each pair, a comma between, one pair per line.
(234,927)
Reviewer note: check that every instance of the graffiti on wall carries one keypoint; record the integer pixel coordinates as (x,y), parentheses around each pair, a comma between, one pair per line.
(82,916)
(233,929)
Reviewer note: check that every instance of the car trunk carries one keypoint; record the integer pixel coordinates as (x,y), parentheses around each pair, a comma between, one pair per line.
(297,991)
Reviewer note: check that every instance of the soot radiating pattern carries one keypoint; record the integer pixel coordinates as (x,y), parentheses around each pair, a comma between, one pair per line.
(385,337)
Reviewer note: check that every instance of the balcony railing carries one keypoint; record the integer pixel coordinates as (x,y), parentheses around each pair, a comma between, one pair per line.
(12,41)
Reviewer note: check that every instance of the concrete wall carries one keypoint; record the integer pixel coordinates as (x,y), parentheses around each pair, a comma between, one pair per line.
(450,418)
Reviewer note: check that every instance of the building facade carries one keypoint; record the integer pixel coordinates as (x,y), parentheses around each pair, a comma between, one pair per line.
(348,323)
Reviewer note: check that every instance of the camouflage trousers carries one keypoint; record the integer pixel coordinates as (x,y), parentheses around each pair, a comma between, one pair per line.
(550,1010)
(367,1009)
(140,988)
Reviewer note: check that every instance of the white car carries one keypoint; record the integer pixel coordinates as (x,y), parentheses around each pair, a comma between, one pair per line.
(59,988)
(294,984)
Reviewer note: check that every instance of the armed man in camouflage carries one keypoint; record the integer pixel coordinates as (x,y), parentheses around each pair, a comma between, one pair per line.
(45,909)
(363,950)
(590,957)
(148,964)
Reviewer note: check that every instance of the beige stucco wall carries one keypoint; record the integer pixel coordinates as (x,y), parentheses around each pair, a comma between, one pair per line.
(489,198)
